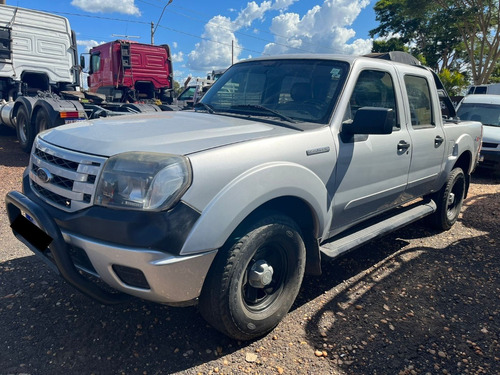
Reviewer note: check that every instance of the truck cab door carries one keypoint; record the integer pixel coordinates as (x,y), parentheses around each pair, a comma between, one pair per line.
(372,169)
(95,74)
(427,135)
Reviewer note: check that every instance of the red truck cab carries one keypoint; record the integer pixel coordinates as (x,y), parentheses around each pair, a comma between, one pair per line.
(127,71)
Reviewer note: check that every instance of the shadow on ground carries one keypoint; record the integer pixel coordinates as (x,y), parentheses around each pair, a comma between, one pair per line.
(11,154)
(424,308)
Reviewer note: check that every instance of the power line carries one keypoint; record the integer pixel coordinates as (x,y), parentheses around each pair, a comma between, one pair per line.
(210,40)
(186,33)
(147,23)
(174,5)
(239,32)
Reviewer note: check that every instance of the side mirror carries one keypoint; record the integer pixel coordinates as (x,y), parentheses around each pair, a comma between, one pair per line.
(82,61)
(370,120)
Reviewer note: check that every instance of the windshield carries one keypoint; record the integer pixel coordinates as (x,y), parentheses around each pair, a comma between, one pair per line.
(187,94)
(299,90)
(488,114)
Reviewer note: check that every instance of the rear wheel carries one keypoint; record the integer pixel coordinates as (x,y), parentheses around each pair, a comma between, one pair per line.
(42,121)
(254,282)
(449,200)
(25,131)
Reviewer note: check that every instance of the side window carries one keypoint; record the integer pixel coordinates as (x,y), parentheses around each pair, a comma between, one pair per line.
(480,90)
(419,98)
(373,89)
(95,63)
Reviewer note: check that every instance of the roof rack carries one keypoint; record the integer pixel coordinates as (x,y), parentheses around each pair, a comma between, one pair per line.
(397,56)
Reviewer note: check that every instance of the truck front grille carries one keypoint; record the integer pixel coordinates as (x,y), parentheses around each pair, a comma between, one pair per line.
(63,178)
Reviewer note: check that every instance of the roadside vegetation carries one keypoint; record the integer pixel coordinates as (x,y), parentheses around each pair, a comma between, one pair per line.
(459,39)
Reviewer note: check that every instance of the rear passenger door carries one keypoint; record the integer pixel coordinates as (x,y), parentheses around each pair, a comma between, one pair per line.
(426,132)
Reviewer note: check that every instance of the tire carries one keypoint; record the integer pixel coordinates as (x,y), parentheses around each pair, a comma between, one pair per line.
(254,281)
(42,121)
(449,200)
(25,131)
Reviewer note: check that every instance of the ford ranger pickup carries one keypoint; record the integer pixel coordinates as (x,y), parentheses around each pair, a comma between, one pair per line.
(284,161)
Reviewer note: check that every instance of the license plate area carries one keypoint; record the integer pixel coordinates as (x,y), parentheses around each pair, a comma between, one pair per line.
(70,121)
(32,233)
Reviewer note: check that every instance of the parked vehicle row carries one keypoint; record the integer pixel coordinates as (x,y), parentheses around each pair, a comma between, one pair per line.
(40,75)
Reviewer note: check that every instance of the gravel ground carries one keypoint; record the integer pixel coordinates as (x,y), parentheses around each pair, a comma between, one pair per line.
(414,302)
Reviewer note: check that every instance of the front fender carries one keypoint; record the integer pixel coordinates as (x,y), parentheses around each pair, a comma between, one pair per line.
(250,190)
(54,107)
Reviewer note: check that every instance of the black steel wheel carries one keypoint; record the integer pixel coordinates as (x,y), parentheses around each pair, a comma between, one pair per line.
(25,130)
(42,121)
(449,200)
(254,281)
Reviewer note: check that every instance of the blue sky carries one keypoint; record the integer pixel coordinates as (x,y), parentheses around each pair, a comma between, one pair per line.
(206,35)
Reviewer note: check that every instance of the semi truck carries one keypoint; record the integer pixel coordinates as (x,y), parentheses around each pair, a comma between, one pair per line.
(126,71)
(40,84)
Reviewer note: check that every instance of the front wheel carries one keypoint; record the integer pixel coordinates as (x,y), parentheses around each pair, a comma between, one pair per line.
(449,200)
(254,281)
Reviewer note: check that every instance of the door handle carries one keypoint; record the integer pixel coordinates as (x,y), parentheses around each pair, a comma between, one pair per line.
(403,146)
(438,140)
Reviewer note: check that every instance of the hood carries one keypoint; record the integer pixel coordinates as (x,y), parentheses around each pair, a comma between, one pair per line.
(176,132)
(491,134)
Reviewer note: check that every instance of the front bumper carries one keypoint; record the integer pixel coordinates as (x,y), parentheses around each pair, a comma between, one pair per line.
(169,279)
(489,158)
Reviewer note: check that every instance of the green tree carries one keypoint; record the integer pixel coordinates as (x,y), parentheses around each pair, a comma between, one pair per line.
(421,24)
(177,88)
(392,44)
(478,22)
(448,34)
(454,82)
(495,76)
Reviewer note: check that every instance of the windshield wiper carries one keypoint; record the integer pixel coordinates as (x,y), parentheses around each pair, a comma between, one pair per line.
(205,106)
(265,109)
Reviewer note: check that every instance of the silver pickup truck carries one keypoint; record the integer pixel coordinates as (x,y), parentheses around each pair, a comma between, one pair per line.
(285,160)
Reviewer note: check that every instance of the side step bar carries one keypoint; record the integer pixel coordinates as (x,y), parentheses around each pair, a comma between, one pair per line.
(389,223)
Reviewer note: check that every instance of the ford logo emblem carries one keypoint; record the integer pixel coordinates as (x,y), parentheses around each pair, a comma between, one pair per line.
(44,175)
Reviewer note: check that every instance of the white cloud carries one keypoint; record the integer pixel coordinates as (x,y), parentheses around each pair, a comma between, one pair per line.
(324,28)
(108,6)
(88,44)
(180,76)
(215,50)
(178,57)
(174,44)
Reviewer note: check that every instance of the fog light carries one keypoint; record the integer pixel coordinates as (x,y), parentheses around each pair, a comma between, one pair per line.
(131,276)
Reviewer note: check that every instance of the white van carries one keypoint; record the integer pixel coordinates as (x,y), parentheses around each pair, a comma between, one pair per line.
(493,88)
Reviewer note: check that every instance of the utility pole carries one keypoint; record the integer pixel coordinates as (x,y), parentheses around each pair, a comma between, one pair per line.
(153,28)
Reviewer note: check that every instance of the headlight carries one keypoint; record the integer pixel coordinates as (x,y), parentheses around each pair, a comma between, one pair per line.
(143,181)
